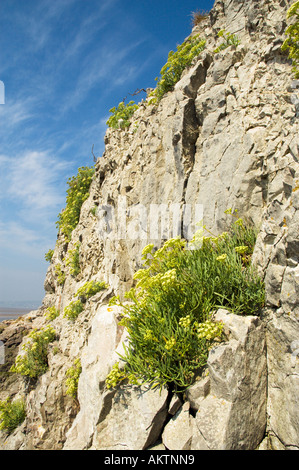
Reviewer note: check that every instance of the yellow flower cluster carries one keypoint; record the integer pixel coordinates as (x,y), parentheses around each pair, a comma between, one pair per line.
(147,250)
(47,333)
(209,330)
(185,322)
(115,376)
(148,336)
(170,343)
(221,257)
(241,249)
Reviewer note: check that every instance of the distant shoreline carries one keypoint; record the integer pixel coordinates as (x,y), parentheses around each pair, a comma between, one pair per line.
(9,313)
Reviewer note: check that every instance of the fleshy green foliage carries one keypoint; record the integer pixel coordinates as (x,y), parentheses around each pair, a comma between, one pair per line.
(73,374)
(77,193)
(89,289)
(73,260)
(49,255)
(52,313)
(292,42)
(177,62)
(12,414)
(34,361)
(169,321)
(73,309)
(60,274)
(228,40)
(121,115)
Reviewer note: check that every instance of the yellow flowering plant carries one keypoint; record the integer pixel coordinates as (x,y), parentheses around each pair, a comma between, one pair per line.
(169,319)
(89,289)
(52,313)
(12,414)
(121,116)
(291,43)
(177,62)
(77,193)
(34,361)
(73,309)
(72,261)
(73,374)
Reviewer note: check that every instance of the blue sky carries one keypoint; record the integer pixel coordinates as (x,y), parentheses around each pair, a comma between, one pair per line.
(64,64)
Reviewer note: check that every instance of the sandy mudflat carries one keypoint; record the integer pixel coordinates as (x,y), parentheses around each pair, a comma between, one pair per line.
(7,313)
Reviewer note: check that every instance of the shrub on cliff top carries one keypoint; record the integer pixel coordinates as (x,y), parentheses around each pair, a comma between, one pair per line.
(121,115)
(177,61)
(169,321)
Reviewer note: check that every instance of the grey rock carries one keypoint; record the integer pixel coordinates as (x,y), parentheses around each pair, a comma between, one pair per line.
(233,414)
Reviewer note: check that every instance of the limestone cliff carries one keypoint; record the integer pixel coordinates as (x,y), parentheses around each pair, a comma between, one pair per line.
(227,136)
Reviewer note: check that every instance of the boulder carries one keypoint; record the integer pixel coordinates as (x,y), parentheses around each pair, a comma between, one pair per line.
(178,433)
(134,419)
(233,415)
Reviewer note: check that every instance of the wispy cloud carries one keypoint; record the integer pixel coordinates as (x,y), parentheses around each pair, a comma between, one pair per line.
(39,25)
(88,28)
(107,65)
(31,186)
(33,180)
(14,112)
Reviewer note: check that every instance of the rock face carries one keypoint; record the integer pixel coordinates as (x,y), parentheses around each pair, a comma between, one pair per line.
(227,136)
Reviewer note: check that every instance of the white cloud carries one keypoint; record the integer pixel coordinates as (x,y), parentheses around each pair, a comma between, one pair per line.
(33,180)
(32,194)
(14,113)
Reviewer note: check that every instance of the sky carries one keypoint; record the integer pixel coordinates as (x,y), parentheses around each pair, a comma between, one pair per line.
(64,64)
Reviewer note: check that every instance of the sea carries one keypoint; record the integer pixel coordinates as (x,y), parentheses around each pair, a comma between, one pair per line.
(13,310)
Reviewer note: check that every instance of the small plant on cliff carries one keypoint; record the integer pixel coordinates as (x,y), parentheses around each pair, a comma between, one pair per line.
(73,374)
(228,40)
(73,260)
(12,414)
(60,274)
(73,309)
(177,62)
(52,313)
(169,319)
(77,193)
(121,115)
(292,42)
(89,289)
(49,255)
(34,361)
